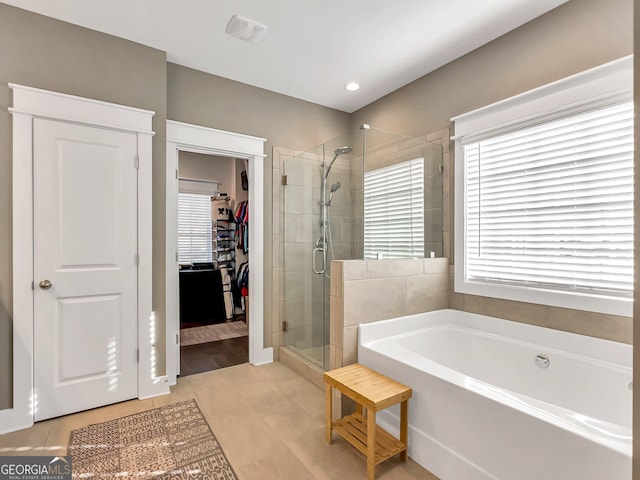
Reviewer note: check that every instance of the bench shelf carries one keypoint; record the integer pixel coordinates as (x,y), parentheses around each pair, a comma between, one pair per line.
(374,392)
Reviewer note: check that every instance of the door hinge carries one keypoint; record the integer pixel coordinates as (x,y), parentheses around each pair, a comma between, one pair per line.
(33,285)
(285,326)
(137,161)
(284,179)
(176,173)
(177,339)
(176,256)
(137,260)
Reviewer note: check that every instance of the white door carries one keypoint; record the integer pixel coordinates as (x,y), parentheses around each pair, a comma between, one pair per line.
(85,246)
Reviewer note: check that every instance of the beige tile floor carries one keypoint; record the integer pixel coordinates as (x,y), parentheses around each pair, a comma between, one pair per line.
(269,421)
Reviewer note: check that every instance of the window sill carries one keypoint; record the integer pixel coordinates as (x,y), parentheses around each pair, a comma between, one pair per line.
(575,301)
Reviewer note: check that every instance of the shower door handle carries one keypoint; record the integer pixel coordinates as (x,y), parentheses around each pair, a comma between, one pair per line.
(314,266)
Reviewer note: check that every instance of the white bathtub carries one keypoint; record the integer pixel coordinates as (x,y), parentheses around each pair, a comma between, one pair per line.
(482,408)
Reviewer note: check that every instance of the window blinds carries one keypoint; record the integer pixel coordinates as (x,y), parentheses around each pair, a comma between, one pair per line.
(194,228)
(394,211)
(551,205)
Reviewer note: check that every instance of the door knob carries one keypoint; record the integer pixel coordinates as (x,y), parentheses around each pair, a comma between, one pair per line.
(45,284)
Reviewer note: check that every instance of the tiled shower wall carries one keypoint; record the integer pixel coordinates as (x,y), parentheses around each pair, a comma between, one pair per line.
(364,291)
(291,233)
(434,150)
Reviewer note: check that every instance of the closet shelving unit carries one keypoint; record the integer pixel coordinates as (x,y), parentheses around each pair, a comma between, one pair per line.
(223,237)
(224,249)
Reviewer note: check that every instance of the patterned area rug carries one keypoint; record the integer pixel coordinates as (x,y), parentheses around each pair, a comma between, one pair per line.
(213,333)
(173,442)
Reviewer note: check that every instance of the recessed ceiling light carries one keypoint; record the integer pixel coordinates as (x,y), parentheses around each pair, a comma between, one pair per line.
(246,29)
(352,86)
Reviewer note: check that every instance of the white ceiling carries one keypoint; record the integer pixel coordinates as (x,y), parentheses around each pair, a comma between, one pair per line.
(313,47)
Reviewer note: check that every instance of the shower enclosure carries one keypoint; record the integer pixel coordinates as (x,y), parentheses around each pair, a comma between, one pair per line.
(323,219)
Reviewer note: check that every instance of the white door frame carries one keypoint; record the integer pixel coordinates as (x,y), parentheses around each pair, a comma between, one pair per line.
(198,139)
(30,103)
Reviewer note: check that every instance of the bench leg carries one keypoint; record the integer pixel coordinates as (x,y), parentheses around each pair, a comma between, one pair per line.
(329,412)
(404,419)
(371,445)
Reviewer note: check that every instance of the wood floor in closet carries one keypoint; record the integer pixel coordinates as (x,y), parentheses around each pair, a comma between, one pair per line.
(213,355)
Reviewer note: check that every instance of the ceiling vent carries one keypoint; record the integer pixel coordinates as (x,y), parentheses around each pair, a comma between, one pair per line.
(246,29)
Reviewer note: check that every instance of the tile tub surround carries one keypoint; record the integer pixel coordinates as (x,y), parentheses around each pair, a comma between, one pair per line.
(364,291)
(609,327)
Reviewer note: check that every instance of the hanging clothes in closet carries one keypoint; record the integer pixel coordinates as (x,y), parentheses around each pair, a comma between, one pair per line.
(242,226)
(243,279)
(242,283)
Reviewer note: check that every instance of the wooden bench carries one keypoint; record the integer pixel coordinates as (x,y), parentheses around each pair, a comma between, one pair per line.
(373,392)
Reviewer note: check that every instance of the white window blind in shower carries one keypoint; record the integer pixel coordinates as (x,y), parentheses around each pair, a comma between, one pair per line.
(394,211)
(550,206)
(194,228)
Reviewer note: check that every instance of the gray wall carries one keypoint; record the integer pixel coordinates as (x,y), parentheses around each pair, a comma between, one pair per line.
(41,52)
(572,38)
(208,167)
(576,36)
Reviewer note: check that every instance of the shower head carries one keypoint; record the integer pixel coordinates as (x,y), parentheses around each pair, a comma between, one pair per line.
(337,153)
(334,188)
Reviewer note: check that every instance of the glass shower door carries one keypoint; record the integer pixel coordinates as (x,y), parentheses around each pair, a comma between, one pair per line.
(304,262)
(322,218)
(321,209)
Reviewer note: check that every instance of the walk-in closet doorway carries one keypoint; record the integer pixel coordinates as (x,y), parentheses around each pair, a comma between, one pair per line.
(183,137)
(213,261)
